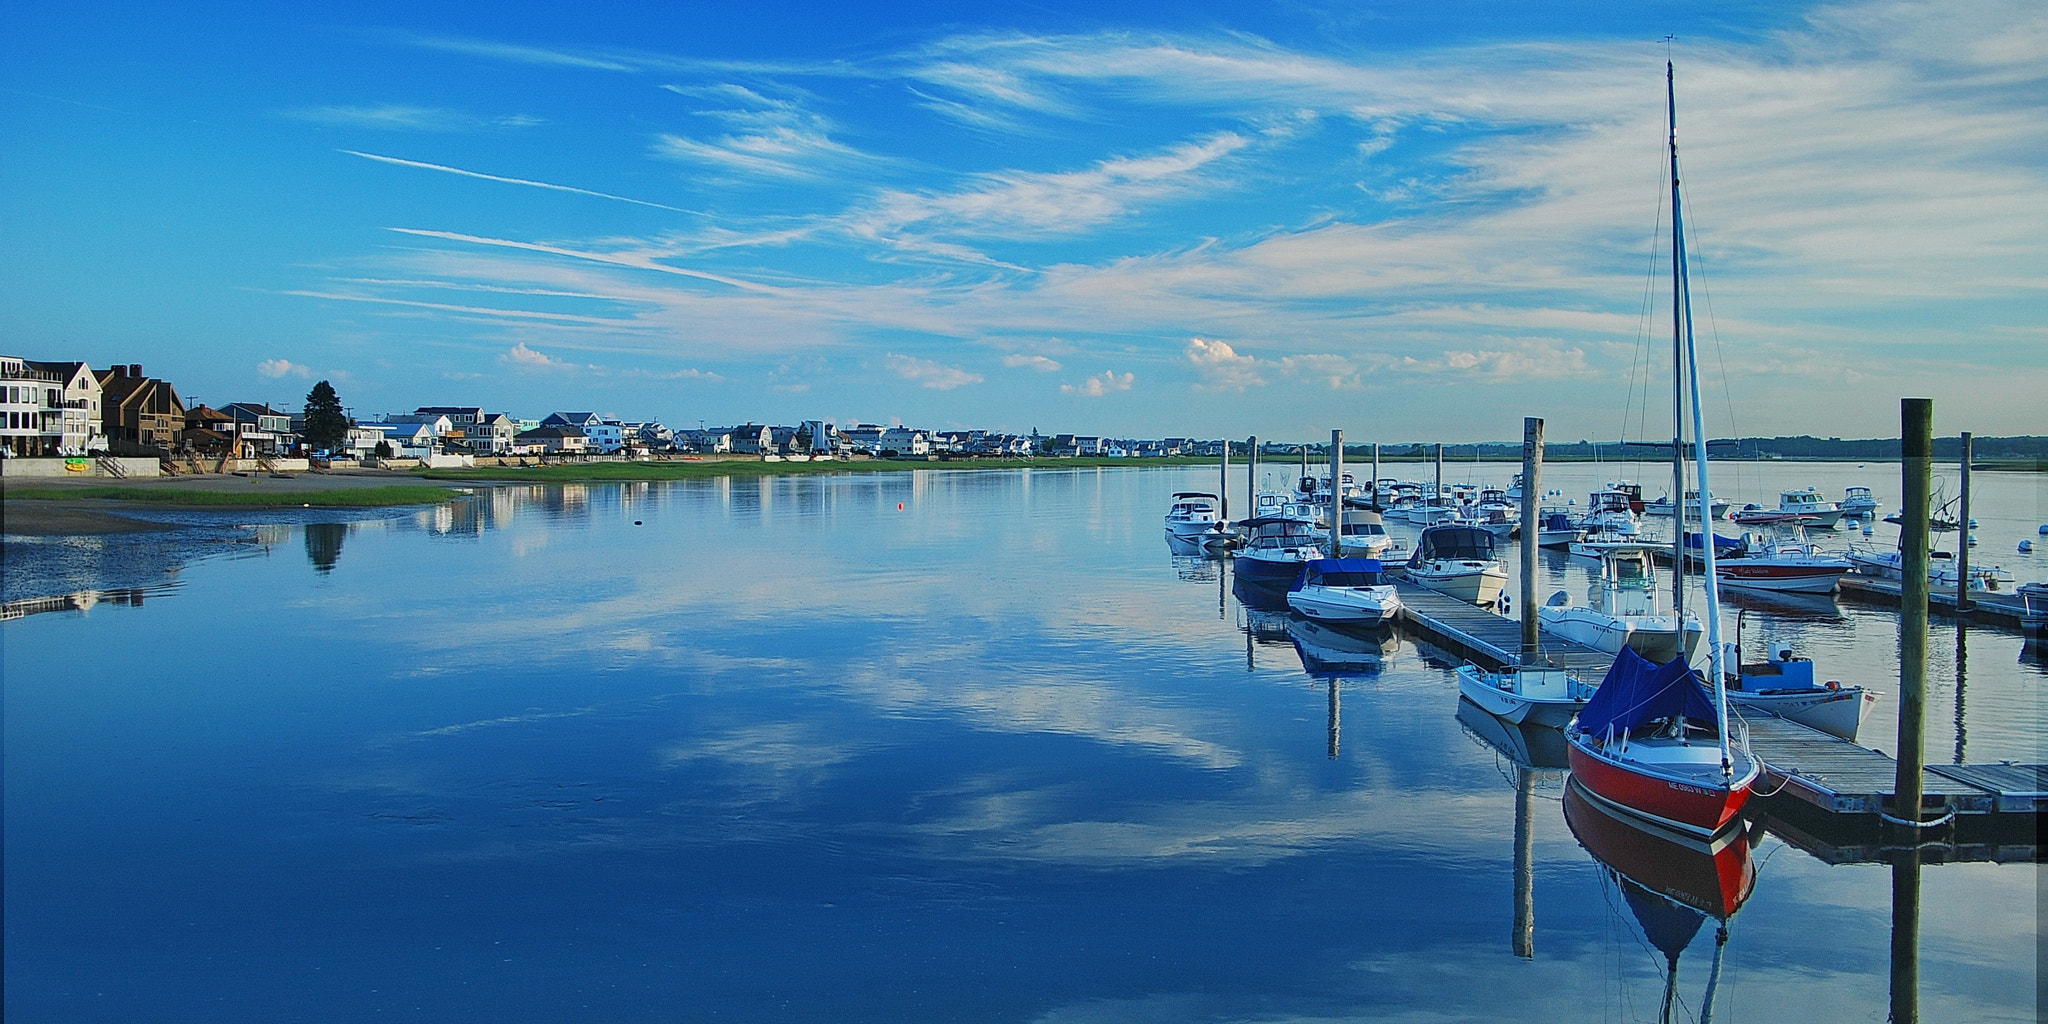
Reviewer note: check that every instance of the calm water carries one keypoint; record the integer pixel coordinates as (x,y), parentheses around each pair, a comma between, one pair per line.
(784,750)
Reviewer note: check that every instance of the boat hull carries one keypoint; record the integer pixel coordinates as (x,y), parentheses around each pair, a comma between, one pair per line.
(1789,579)
(1835,712)
(1653,636)
(1508,704)
(1669,799)
(1479,585)
(1270,573)
(1349,606)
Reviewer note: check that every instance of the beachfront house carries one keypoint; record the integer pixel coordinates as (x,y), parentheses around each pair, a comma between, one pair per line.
(263,431)
(601,434)
(554,439)
(139,415)
(705,441)
(76,414)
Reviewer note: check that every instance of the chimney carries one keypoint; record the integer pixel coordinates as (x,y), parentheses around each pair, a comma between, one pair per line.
(135,370)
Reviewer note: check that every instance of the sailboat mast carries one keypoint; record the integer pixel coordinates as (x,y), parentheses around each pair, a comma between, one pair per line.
(1677,380)
(1699,440)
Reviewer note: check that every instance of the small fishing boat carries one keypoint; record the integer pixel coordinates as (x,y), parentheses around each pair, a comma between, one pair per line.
(1556,528)
(1458,561)
(1351,591)
(1365,531)
(1621,609)
(1943,569)
(1784,561)
(1526,695)
(1785,686)
(2033,609)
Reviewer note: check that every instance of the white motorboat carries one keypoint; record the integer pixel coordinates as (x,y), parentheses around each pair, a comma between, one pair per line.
(1807,503)
(1192,514)
(1459,561)
(1529,696)
(1365,533)
(1943,569)
(1784,561)
(1662,507)
(1608,511)
(1350,591)
(1556,528)
(1621,609)
(1859,503)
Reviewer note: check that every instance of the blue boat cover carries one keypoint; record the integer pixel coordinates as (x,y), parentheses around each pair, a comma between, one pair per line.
(1636,692)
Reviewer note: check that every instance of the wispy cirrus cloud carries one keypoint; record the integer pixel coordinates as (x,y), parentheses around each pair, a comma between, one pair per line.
(929,374)
(401,117)
(769,136)
(527,182)
(1033,362)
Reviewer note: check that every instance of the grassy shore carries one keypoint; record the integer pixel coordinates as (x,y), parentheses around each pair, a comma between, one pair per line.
(349,497)
(676,469)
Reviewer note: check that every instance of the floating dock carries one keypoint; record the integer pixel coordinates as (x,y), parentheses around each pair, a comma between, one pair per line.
(1827,773)
(2000,608)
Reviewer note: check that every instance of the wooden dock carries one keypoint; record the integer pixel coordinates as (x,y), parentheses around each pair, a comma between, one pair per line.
(1825,772)
(2001,609)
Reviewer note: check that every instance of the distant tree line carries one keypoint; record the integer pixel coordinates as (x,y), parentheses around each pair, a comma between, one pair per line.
(1802,447)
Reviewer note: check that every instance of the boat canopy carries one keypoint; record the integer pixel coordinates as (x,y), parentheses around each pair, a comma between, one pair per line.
(1635,693)
(1342,572)
(1178,495)
(1455,542)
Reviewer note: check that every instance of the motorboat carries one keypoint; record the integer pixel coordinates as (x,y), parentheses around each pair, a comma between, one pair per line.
(1663,507)
(1658,741)
(1621,610)
(1608,511)
(1365,532)
(1784,561)
(1351,591)
(1808,503)
(1784,685)
(1458,561)
(1858,503)
(1556,528)
(1275,549)
(2033,609)
(1192,514)
(1526,695)
(1943,570)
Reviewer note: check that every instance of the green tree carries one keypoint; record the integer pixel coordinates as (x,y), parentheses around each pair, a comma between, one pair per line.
(326,424)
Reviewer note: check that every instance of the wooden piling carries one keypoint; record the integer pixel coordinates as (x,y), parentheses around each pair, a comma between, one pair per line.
(1336,494)
(1963,526)
(1916,472)
(1223,486)
(1532,485)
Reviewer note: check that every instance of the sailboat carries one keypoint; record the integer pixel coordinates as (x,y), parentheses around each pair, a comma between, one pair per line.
(1655,741)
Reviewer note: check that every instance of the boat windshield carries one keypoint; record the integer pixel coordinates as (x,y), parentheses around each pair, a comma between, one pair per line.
(1349,579)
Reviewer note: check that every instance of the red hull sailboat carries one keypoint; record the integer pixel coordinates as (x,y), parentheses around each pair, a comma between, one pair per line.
(1655,739)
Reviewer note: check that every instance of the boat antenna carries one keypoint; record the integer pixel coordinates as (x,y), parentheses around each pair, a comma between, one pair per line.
(1699,435)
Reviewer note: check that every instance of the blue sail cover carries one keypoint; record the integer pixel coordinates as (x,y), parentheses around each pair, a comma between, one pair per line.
(1636,692)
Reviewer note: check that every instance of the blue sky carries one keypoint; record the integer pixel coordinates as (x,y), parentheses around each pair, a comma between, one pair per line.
(1407,220)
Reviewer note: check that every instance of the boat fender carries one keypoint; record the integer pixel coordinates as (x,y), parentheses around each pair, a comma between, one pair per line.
(1834,684)
(1503,601)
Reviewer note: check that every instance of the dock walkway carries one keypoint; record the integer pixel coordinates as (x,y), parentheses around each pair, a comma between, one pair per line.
(2003,609)
(1826,772)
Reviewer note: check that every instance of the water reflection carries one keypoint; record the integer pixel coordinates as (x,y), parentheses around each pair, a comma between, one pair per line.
(81,601)
(1329,652)
(1537,756)
(1670,883)
(323,544)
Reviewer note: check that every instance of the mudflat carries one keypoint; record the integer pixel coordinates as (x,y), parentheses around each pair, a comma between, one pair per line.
(50,512)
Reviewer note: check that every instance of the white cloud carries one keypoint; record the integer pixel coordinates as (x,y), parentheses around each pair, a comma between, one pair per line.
(282,368)
(520,355)
(1095,387)
(926,373)
(1222,369)
(509,181)
(1035,362)
(770,137)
